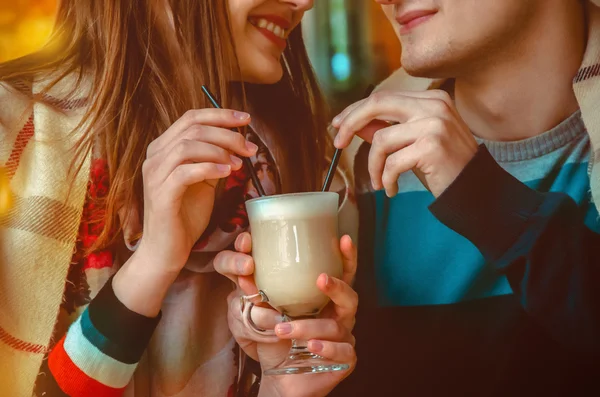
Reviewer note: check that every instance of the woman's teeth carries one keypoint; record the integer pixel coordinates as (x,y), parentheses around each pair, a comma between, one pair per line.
(270,26)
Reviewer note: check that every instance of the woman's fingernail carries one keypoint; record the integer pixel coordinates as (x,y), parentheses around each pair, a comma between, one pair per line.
(236,161)
(336,119)
(284,329)
(241,115)
(328,282)
(336,141)
(223,167)
(315,346)
(250,146)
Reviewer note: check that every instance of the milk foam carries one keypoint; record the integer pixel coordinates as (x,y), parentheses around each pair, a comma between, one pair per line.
(299,205)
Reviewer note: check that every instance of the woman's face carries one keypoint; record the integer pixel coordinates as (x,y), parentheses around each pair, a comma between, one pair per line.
(260,31)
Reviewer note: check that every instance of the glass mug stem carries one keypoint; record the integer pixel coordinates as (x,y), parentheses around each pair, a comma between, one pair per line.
(299,360)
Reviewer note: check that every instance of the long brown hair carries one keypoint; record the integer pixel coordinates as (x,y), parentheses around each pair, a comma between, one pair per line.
(146,66)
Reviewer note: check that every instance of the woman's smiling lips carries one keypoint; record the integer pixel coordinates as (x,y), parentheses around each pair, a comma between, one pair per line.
(273,27)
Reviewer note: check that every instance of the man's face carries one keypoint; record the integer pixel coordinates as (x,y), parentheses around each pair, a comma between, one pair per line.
(447,38)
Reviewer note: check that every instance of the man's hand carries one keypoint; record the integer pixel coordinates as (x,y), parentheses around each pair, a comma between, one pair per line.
(419,131)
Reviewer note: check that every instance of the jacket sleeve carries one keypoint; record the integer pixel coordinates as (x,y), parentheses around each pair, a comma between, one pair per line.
(538,240)
(99,354)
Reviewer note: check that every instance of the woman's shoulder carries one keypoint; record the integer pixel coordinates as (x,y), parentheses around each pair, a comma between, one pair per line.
(14,102)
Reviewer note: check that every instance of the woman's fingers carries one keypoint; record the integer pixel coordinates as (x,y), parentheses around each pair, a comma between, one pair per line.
(233,264)
(320,328)
(247,285)
(340,352)
(186,152)
(198,118)
(344,299)
(263,317)
(349,259)
(190,174)
(243,243)
(237,327)
(237,267)
(231,141)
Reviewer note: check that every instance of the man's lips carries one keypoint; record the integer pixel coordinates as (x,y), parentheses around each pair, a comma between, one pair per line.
(411,19)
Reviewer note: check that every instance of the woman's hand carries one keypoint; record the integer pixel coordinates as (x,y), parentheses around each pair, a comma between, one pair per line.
(180,173)
(329,336)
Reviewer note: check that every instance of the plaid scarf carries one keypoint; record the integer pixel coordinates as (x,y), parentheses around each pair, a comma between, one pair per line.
(39,231)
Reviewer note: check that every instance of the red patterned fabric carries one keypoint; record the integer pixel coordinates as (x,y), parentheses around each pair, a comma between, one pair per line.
(23,139)
(77,291)
(18,344)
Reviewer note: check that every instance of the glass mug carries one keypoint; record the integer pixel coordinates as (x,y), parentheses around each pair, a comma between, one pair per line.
(295,238)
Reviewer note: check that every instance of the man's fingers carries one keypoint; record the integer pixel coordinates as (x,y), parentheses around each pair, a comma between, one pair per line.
(397,107)
(379,106)
(392,139)
(396,164)
(337,121)
(368,132)
(427,94)
(440,95)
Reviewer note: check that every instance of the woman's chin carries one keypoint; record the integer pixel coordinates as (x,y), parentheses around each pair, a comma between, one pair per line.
(264,76)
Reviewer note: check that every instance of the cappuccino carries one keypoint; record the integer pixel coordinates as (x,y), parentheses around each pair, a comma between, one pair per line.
(295,239)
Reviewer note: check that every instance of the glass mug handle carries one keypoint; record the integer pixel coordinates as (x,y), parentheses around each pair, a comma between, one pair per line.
(247,302)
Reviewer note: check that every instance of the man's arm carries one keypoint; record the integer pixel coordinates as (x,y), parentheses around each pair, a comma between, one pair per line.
(538,240)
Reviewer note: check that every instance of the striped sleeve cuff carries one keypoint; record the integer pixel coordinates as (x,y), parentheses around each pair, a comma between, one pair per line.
(99,354)
(119,332)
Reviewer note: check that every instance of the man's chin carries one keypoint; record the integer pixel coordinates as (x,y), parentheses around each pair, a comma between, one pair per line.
(426,70)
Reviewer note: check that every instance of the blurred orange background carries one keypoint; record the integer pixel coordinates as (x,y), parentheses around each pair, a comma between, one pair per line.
(24,26)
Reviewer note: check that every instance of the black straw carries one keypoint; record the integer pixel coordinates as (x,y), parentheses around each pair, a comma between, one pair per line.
(246,160)
(332,168)
(338,153)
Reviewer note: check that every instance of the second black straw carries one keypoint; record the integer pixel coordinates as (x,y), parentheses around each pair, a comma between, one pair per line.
(338,153)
